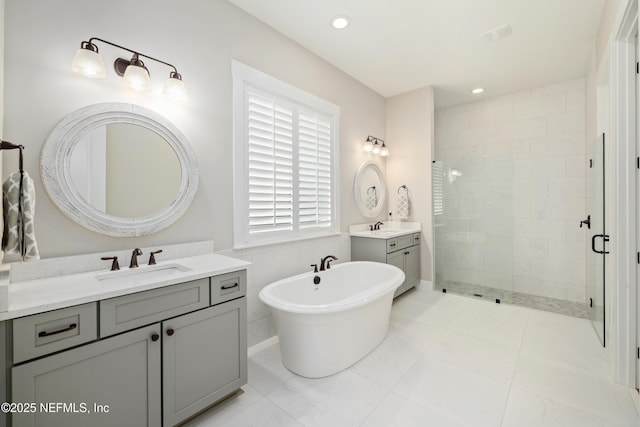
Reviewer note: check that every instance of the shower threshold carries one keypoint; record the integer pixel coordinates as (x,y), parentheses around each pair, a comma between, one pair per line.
(568,308)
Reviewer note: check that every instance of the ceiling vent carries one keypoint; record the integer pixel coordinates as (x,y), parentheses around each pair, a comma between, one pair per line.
(497,33)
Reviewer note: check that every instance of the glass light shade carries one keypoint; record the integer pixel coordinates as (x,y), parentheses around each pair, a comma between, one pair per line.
(174,90)
(376,149)
(367,146)
(384,151)
(88,63)
(137,78)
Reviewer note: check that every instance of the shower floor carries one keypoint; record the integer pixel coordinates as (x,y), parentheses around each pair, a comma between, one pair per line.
(553,305)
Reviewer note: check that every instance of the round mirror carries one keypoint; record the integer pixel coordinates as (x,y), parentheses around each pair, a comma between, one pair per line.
(369,189)
(119,169)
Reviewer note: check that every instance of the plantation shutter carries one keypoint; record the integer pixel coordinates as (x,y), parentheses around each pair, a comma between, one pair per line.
(270,164)
(314,170)
(438,188)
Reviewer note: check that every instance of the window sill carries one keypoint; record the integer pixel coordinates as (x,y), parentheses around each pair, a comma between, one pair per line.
(285,241)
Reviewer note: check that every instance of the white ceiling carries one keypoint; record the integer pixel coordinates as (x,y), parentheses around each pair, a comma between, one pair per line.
(395,46)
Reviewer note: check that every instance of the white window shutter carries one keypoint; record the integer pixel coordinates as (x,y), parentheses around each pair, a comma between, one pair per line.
(314,170)
(285,161)
(270,164)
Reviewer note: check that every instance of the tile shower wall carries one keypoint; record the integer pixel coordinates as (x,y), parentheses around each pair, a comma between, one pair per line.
(526,153)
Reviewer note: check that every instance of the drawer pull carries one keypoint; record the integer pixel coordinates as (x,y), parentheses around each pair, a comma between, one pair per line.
(170,331)
(224,288)
(392,245)
(407,253)
(48,334)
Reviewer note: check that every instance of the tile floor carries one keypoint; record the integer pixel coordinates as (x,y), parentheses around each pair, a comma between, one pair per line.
(447,361)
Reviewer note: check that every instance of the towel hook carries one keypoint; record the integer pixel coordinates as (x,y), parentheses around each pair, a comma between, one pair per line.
(6,145)
(406,190)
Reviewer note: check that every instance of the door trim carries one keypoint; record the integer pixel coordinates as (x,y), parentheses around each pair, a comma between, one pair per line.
(624,292)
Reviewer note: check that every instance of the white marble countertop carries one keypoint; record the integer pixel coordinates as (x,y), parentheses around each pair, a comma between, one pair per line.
(40,295)
(388,229)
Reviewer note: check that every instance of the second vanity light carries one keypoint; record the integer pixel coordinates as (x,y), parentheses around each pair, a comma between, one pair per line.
(376,146)
(88,62)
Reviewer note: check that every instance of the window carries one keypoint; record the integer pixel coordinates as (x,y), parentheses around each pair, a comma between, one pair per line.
(438,188)
(285,161)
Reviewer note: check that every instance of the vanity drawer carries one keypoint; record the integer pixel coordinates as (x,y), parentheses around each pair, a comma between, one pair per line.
(134,310)
(44,333)
(228,286)
(416,239)
(400,242)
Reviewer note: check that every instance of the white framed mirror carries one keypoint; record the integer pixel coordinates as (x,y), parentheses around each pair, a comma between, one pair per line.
(369,189)
(119,169)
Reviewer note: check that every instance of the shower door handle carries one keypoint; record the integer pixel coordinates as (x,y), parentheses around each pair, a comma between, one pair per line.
(605,239)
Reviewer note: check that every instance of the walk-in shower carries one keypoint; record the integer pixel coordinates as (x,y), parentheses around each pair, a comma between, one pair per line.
(507,219)
(491,243)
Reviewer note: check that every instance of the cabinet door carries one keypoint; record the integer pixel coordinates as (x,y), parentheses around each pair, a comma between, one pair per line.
(397,259)
(204,358)
(411,266)
(121,375)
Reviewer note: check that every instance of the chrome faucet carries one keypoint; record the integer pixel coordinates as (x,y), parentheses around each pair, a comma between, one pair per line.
(328,260)
(134,258)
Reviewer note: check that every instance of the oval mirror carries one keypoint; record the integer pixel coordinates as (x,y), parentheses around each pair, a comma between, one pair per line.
(119,169)
(369,189)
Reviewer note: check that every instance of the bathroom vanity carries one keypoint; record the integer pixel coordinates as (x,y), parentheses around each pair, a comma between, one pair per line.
(396,243)
(151,346)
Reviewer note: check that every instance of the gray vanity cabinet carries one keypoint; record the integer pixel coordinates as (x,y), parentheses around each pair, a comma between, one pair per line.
(402,251)
(112,382)
(204,358)
(151,358)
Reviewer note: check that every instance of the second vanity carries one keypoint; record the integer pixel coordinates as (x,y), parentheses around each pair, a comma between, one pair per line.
(150,346)
(396,243)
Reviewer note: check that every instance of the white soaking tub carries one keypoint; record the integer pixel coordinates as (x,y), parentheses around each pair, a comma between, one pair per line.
(328,327)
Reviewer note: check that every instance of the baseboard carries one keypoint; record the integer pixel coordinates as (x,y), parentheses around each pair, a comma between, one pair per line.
(262,345)
(635,396)
(425,285)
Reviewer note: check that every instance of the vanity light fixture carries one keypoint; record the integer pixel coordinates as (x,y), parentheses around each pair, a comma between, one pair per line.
(88,62)
(376,146)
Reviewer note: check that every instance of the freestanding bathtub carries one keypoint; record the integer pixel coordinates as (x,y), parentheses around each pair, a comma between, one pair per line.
(327,327)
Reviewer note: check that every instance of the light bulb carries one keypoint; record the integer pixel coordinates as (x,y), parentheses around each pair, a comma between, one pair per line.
(88,62)
(367,146)
(174,88)
(376,148)
(384,151)
(137,78)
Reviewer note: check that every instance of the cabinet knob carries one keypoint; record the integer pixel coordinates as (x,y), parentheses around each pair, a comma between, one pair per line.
(155,337)
(170,331)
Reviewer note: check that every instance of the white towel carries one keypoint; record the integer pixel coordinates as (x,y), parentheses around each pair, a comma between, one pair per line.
(19,235)
(372,198)
(402,211)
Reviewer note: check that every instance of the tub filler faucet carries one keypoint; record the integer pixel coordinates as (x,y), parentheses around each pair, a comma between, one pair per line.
(326,260)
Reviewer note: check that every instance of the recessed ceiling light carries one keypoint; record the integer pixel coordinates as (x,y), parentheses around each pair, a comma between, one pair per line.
(340,22)
(477,90)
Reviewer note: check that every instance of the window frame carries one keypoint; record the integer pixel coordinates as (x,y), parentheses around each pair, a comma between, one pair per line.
(247,79)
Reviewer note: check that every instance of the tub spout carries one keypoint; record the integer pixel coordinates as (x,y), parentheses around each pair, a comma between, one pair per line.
(326,260)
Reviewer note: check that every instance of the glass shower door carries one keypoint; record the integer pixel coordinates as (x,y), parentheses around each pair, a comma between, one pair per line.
(597,239)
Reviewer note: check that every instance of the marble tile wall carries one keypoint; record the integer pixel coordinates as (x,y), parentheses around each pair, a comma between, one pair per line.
(522,158)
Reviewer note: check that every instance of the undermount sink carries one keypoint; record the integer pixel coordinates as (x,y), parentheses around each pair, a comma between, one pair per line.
(142,274)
